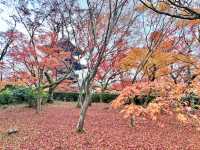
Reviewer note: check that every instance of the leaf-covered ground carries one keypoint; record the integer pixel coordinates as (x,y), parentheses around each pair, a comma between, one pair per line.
(106,129)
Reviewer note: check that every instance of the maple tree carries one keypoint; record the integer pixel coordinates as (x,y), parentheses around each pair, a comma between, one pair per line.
(97,32)
(33,18)
(167,57)
(107,74)
(103,30)
(167,100)
(46,60)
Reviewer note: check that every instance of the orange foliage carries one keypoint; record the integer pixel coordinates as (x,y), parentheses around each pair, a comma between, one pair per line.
(187,23)
(141,8)
(3,83)
(167,100)
(46,56)
(160,58)
(156,36)
(163,6)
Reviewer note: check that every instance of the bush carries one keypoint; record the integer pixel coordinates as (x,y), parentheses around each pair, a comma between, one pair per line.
(142,100)
(104,97)
(66,96)
(96,97)
(6,97)
(44,96)
(23,94)
(191,99)
(20,94)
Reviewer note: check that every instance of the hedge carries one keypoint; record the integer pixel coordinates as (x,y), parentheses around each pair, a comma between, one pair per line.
(106,97)
(96,97)
(20,94)
(66,96)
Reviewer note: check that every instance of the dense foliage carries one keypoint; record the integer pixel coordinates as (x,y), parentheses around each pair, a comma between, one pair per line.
(169,99)
(191,99)
(16,95)
(96,97)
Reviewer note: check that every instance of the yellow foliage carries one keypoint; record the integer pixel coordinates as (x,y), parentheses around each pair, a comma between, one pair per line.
(141,8)
(153,110)
(160,59)
(163,6)
(182,118)
(184,58)
(133,58)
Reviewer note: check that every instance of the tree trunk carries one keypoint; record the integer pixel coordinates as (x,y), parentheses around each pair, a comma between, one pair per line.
(81,96)
(50,95)
(39,106)
(80,100)
(84,108)
(101,96)
(39,101)
(86,103)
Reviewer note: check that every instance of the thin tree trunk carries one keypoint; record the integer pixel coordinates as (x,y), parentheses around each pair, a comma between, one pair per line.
(86,103)
(80,100)
(39,106)
(39,101)
(81,96)
(84,108)
(101,95)
(50,95)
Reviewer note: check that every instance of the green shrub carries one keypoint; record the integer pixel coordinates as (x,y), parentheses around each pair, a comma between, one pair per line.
(6,97)
(142,100)
(103,97)
(191,99)
(20,94)
(96,97)
(30,96)
(44,96)
(66,96)
(23,94)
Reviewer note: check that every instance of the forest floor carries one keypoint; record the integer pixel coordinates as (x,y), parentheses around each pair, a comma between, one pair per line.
(105,129)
